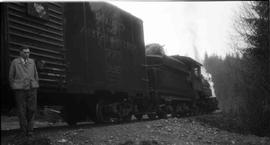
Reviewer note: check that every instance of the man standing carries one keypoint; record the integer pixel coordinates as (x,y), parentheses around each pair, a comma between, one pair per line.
(23,78)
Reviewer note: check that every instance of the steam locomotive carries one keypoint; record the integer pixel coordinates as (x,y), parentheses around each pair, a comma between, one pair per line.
(92,60)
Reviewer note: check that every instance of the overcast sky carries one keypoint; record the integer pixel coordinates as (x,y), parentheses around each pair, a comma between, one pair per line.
(184,26)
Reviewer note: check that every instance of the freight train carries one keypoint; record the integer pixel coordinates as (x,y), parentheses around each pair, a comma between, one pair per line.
(92,60)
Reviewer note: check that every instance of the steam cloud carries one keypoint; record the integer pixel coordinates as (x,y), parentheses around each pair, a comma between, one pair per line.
(206,75)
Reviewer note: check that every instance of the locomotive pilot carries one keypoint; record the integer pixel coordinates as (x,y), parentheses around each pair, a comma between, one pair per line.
(23,79)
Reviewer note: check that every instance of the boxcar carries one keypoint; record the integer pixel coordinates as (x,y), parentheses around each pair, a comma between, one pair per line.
(106,55)
(105,49)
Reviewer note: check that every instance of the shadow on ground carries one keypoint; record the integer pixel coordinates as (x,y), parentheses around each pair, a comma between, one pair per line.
(224,122)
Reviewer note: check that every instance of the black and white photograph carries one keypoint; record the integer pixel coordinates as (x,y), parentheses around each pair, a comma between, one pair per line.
(135,72)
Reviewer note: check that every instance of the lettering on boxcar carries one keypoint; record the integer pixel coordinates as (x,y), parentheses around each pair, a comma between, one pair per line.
(113,69)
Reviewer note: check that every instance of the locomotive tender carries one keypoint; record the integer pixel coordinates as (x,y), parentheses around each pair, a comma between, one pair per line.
(91,60)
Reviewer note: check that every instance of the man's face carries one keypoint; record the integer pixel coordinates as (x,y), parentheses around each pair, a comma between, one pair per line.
(25,53)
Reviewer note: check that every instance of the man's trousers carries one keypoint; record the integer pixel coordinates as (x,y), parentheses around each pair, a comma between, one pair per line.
(26,101)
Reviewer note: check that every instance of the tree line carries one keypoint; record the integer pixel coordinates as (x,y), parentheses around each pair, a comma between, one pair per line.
(242,80)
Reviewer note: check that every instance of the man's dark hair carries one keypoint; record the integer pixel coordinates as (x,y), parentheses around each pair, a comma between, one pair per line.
(23,47)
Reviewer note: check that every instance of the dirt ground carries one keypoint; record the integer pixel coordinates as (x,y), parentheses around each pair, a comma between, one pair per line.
(171,131)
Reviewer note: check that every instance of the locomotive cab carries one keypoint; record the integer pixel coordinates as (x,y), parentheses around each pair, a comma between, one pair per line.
(196,77)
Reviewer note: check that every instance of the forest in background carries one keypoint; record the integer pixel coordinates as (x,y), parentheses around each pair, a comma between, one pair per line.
(242,80)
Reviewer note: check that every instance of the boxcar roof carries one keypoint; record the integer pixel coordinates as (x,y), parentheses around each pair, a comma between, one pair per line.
(112,6)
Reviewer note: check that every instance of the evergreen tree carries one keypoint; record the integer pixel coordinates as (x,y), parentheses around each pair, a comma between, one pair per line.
(254,28)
